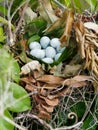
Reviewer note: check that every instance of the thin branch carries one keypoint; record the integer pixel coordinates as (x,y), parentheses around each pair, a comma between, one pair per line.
(60,5)
(44,123)
(13,123)
(9,23)
(70,127)
(17,9)
(22,16)
(89,107)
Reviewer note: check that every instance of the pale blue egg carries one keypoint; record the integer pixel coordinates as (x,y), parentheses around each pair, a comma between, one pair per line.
(38,53)
(44,41)
(48,60)
(34,45)
(55,43)
(50,52)
(57,56)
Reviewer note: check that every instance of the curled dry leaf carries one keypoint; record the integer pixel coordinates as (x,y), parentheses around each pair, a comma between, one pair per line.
(48,108)
(91,25)
(68,15)
(31,66)
(52,102)
(87,38)
(44,115)
(80,37)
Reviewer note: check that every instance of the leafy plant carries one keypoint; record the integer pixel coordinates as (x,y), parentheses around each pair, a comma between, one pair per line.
(12,96)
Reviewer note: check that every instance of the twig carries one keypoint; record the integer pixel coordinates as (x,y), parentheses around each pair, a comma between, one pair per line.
(17,9)
(13,123)
(11,36)
(44,123)
(89,107)
(22,15)
(60,5)
(70,127)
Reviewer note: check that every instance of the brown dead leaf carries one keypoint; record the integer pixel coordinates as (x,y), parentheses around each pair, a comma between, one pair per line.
(47,108)
(44,115)
(63,92)
(52,102)
(69,17)
(30,87)
(28,80)
(50,79)
(24,44)
(38,100)
(50,86)
(80,37)
(77,80)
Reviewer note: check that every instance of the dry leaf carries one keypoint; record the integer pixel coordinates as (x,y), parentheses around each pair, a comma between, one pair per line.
(44,115)
(28,80)
(69,17)
(30,87)
(71,70)
(52,102)
(80,37)
(50,79)
(50,86)
(47,108)
(63,92)
(76,80)
(31,66)
(24,44)
(91,25)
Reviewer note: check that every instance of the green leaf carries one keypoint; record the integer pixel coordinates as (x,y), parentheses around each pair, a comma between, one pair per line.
(35,27)
(34,38)
(92,4)
(2,37)
(4,125)
(89,123)
(79,108)
(3,10)
(8,66)
(4,21)
(20,98)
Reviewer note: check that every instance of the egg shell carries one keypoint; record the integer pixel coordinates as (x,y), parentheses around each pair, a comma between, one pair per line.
(34,45)
(48,60)
(38,53)
(50,52)
(44,41)
(55,43)
(57,56)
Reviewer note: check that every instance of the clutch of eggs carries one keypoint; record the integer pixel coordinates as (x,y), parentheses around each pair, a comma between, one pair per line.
(48,50)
